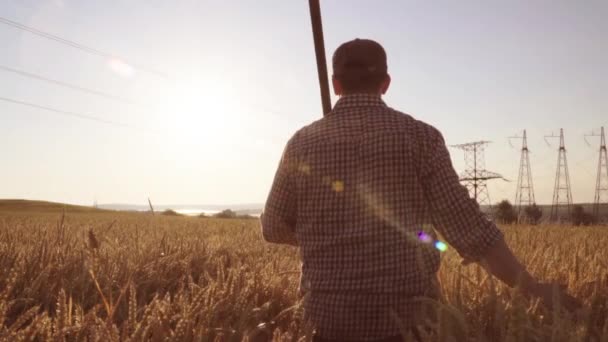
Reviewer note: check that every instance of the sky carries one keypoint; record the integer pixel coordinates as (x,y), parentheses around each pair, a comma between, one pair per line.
(240,79)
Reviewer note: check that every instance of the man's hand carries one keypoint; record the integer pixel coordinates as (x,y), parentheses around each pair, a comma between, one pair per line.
(554,296)
(501,263)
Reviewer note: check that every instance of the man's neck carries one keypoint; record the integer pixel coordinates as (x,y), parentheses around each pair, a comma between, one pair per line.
(362,93)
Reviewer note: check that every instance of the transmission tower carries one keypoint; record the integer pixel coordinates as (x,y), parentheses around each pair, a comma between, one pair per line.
(524,195)
(475,175)
(562,193)
(601,183)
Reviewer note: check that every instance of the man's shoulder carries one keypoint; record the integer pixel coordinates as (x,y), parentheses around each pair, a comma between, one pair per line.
(410,122)
(311,128)
(310,132)
(402,123)
(391,119)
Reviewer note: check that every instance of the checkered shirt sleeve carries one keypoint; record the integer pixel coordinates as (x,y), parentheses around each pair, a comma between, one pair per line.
(279,216)
(454,214)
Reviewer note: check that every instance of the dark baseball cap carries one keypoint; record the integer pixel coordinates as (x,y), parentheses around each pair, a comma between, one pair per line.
(360,57)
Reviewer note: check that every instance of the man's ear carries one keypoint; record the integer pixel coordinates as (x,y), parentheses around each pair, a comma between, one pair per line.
(385,84)
(337,85)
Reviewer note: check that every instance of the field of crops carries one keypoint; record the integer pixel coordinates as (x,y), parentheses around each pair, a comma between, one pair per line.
(110,277)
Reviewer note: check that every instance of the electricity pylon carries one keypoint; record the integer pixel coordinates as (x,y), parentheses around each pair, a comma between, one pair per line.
(601,183)
(475,175)
(562,193)
(524,195)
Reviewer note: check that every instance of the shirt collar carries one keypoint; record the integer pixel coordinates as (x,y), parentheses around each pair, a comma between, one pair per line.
(358,100)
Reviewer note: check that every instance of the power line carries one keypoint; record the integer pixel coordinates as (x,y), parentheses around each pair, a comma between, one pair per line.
(562,191)
(67,113)
(475,176)
(601,183)
(108,95)
(68,85)
(76,45)
(524,195)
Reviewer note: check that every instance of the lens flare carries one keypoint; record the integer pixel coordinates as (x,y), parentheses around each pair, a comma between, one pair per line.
(424,237)
(337,186)
(441,246)
(382,211)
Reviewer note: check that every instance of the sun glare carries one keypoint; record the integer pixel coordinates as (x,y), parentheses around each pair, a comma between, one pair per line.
(121,68)
(200,112)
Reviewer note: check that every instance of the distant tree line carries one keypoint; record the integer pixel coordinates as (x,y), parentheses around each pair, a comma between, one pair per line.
(507,214)
(171,212)
(224,214)
(229,214)
(580,217)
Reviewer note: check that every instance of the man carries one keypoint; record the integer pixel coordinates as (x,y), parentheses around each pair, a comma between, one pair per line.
(355,191)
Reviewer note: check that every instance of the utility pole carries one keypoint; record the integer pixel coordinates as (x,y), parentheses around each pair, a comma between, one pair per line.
(475,176)
(562,192)
(601,183)
(524,195)
(317,35)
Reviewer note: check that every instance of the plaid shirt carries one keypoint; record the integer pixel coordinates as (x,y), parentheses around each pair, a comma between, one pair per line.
(354,191)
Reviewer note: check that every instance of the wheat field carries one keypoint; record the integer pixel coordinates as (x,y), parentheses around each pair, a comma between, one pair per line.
(137,277)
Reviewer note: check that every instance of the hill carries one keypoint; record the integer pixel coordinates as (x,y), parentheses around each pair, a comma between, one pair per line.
(241,208)
(21,205)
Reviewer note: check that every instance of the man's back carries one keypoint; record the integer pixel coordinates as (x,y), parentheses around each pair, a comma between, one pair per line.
(354,191)
(360,200)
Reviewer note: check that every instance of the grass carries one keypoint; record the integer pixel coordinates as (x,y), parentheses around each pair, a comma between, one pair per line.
(110,277)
